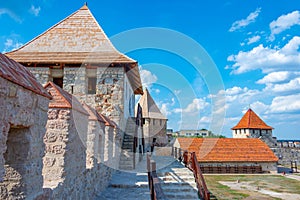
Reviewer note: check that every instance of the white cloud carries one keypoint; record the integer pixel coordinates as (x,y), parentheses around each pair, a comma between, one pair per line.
(11,14)
(259,107)
(285,104)
(267,59)
(284,22)
(11,44)
(292,86)
(35,10)
(253,39)
(194,107)
(274,77)
(147,78)
(245,22)
(165,107)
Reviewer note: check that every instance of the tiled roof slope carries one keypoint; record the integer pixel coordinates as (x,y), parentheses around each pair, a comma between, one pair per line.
(149,107)
(108,122)
(251,120)
(228,149)
(62,99)
(76,39)
(93,114)
(18,74)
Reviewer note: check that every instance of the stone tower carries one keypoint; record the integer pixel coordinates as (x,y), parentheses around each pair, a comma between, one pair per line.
(252,126)
(155,123)
(77,55)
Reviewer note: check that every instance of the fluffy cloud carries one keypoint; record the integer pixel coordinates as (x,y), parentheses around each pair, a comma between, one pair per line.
(290,87)
(194,107)
(267,59)
(165,107)
(35,10)
(147,78)
(11,44)
(284,22)
(274,77)
(245,22)
(285,104)
(253,39)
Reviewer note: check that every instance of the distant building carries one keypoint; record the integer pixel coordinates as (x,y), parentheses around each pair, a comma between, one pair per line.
(155,123)
(194,133)
(252,126)
(230,155)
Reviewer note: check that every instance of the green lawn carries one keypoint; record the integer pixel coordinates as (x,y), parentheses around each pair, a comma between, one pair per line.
(274,183)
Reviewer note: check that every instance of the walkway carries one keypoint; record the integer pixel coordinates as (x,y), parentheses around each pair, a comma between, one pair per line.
(178,182)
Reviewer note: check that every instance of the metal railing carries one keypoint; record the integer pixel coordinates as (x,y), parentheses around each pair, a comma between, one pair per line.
(156,192)
(191,162)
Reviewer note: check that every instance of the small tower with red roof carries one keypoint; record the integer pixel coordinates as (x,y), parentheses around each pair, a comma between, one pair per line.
(251,126)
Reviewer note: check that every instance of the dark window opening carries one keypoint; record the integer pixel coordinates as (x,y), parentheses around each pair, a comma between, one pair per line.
(59,81)
(92,85)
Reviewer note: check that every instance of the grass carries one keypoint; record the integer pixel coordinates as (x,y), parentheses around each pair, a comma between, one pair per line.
(274,183)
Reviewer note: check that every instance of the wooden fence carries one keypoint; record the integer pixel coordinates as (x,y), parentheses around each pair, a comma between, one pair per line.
(156,192)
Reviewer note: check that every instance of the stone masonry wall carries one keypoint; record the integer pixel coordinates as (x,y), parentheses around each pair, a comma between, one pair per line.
(22,126)
(65,159)
(41,74)
(287,154)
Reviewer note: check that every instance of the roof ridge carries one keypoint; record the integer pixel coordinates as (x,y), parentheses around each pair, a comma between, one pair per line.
(56,88)
(43,33)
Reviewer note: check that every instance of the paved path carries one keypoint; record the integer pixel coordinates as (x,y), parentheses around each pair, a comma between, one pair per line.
(132,185)
(295,177)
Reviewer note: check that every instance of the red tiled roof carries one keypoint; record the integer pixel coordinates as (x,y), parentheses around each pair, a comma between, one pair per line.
(18,74)
(251,120)
(62,99)
(94,115)
(228,149)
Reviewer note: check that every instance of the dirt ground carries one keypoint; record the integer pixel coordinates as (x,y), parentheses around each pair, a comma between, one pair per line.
(250,187)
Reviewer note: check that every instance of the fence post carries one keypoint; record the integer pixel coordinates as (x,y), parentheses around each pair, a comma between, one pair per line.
(153,169)
(148,168)
(185,157)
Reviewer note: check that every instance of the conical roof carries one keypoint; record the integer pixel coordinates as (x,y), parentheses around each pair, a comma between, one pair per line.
(149,107)
(76,39)
(251,120)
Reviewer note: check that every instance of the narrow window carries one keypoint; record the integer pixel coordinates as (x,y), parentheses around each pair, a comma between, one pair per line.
(92,85)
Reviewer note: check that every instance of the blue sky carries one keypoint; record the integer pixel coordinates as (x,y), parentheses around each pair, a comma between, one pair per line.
(254,45)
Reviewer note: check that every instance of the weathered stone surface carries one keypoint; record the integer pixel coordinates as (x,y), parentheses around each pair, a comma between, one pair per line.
(22,126)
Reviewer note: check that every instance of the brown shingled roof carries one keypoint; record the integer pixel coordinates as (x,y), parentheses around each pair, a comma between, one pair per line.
(62,99)
(75,39)
(18,74)
(251,120)
(228,149)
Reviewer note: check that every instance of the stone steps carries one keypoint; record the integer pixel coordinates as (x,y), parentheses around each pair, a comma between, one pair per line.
(124,185)
(178,182)
(126,157)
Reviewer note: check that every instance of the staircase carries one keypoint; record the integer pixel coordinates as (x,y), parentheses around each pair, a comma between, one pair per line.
(178,182)
(126,185)
(126,158)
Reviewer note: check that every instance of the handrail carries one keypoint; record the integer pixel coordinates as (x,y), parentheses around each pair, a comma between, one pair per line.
(190,161)
(156,192)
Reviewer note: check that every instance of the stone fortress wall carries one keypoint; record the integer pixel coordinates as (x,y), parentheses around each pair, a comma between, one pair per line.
(23,116)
